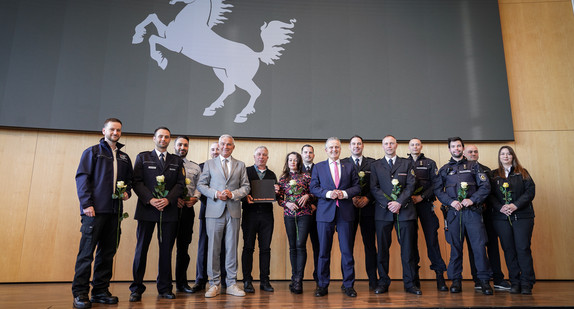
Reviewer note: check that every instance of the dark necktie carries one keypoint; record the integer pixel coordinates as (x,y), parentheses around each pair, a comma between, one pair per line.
(391,163)
(308,168)
(357,162)
(161,160)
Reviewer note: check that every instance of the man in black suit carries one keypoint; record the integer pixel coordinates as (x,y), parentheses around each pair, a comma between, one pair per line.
(154,208)
(392,184)
(257,223)
(364,207)
(308,155)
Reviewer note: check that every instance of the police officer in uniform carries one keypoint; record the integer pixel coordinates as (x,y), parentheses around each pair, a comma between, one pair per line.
(464,213)
(423,198)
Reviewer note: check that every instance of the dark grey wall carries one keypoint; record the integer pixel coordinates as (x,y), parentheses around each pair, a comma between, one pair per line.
(427,68)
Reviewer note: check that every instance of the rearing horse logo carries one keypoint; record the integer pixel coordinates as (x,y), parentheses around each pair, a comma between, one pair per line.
(234,63)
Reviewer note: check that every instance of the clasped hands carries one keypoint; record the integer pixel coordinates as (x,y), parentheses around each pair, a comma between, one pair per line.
(183,203)
(337,195)
(159,203)
(508,209)
(459,205)
(224,195)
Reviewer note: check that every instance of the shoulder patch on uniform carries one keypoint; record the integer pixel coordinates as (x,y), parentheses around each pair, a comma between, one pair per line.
(482,177)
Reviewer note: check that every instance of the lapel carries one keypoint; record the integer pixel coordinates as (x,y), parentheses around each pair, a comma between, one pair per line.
(395,166)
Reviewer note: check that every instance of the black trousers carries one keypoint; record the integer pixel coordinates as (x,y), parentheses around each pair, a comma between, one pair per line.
(101,232)
(516,240)
(257,225)
(368,232)
(492,250)
(184,232)
(314,237)
(144,235)
(406,240)
(430,225)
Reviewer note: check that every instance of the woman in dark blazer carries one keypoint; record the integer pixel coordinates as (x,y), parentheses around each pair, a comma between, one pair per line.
(513,218)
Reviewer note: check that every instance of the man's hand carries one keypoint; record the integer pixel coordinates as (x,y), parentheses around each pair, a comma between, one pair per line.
(360,201)
(191,202)
(456,205)
(467,202)
(125,197)
(416,199)
(334,195)
(313,208)
(180,203)
(394,206)
(89,211)
(249,199)
(221,195)
(159,204)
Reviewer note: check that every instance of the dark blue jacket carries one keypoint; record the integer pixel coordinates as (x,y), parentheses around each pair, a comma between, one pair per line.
(381,177)
(449,177)
(95,180)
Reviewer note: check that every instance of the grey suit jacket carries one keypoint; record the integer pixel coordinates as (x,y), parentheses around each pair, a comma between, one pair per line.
(212,180)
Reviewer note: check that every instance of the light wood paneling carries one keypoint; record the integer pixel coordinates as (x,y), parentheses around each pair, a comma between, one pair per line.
(17,150)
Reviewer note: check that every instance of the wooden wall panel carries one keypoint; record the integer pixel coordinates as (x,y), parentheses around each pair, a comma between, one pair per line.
(17,150)
(538,43)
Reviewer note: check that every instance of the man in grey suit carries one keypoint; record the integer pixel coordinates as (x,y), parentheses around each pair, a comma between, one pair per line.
(224,182)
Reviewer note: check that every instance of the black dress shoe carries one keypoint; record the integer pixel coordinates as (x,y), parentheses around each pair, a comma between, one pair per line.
(380,289)
(320,291)
(248,287)
(104,298)
(135,296)
(486,288)
(440,282)
(167,295)
(343,287)
(414,290)
(350,292)
(297,287)
(456,286)
(82,301)
(515,289)
(526,290)
(197,287)
(266,286)
(184,289)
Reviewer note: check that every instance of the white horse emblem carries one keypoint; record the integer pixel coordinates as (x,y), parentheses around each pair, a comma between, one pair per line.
(234,63)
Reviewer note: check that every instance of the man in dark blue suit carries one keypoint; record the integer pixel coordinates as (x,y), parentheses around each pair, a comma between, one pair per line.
(153,210)
(392,184)
(335,184)
(364,207)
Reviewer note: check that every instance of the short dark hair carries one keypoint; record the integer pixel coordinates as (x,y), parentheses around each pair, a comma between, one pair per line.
(161,128)
(182,136)
(112,120)
(355,136)
(307,145)
(455,139)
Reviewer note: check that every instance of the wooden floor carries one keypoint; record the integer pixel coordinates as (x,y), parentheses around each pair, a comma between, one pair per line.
(58,295)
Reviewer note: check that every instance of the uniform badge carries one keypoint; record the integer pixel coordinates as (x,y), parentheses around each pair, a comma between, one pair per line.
(412,172)
(482,177)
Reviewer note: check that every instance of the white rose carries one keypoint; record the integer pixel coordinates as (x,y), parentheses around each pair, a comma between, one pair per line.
(395,182)
(120,184)
(361,174)
(293,182)
(160,178)
(463,185)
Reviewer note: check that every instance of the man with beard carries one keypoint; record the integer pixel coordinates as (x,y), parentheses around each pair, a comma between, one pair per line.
(461,186)
(186,214)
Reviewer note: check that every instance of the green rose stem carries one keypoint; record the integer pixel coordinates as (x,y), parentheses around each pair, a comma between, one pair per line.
(394,195)
(507,195)
(120,190)
(293,192)
(462,192)
(159,193)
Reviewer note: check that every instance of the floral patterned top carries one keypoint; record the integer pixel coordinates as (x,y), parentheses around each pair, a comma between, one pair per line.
(289,193)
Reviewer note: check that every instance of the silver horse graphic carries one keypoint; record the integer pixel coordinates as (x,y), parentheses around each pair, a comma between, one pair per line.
(235,64)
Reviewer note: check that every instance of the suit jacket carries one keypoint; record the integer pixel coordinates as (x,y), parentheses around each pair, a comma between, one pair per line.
(212,179)
(322,182)
(147,167)
(365,184)
(381,177)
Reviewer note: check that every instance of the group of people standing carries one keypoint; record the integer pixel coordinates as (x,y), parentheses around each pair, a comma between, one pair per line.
(318,199)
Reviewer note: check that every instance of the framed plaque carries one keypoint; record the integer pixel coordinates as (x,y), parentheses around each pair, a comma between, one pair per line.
(263,190)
